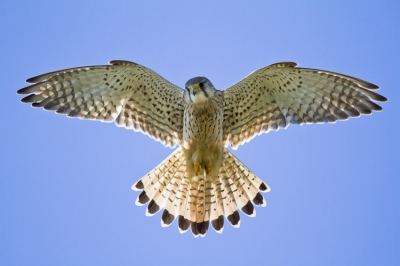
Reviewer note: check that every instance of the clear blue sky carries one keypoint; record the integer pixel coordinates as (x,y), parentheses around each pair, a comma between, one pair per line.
(65,196)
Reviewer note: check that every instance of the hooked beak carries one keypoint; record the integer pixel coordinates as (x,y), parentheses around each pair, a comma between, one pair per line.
(194,89)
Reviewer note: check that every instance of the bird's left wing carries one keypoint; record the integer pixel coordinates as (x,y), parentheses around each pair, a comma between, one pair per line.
(281,94)
(125,92)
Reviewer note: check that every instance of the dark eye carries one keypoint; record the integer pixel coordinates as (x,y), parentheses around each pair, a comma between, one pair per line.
(201,85)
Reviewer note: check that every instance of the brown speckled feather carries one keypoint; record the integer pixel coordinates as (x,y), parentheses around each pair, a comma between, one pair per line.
(281,94)
(133,96)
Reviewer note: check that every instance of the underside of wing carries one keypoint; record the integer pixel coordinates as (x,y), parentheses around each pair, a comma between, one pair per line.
(125,92)
(281,94)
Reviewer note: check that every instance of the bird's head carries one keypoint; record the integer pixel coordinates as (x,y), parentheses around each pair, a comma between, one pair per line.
(199,90)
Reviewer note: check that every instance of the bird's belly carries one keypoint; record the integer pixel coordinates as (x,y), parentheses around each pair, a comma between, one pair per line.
(202,142)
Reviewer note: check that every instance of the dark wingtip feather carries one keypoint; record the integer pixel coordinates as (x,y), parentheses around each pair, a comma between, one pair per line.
(218,224)
(375,106)
(26,90)
(153,207)
(258,199)
(382,98)
(21,91)
(30,98)
(234,218)
(51,104)
(369,85)
(167,218)
(364,83)
(248,208)
(364,111)
(143,198)
(183,223)
(43,77)
(73,113)
(34,79)
(376,97)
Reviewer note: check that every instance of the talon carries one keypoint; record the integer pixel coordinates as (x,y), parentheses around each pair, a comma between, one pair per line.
(208,167)
(196,168)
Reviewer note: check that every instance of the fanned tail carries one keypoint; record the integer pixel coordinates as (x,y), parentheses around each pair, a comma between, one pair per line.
(162,185)
(198,200)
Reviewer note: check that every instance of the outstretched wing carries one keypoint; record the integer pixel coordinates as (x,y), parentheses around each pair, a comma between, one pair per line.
(281,94)
(125,92)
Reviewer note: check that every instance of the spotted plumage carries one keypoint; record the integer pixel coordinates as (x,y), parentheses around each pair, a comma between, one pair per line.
(201,182)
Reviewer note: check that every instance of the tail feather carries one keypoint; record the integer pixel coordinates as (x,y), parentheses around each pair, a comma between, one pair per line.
(200,222)
(168,185)
(225,199)
(213,212)
(171,210)
(242,199)
(166,194)
(153,193)
(193,214)
(252,183)
(240,194)
(231,214)
(197,201)
(183,221)
(244,193)
(152,182)
(173,199)
(209,205)
(217,217)
(189,207)
(158,171)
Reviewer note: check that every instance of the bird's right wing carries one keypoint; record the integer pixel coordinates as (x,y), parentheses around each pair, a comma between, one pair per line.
(125,92)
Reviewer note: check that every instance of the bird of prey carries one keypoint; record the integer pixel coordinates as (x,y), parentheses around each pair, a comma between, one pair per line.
(201,181)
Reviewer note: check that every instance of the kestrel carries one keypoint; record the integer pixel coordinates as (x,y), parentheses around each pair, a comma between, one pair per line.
(202,181)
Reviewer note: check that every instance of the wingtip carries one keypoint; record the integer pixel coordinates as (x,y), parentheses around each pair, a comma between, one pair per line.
(33,79)
(382,98)
(372,86)
(21,91)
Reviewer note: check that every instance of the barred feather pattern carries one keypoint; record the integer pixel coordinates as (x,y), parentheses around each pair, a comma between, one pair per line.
(127,93)
(281,94)
(201,200)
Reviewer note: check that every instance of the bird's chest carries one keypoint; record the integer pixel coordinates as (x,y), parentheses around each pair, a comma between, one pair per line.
(203,124)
